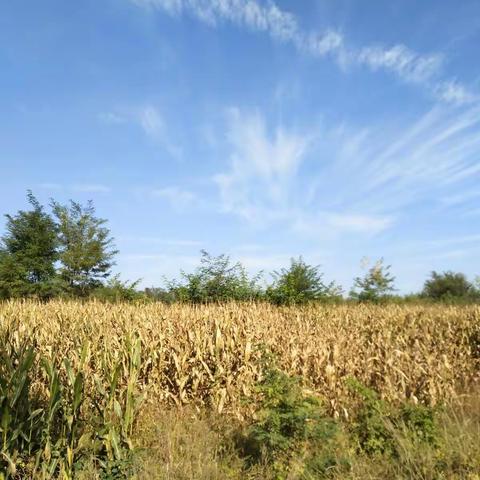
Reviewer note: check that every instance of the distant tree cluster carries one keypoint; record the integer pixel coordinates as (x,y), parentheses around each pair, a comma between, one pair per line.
(68,251)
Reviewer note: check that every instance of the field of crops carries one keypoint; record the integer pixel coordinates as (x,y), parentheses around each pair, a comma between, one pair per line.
(124,358)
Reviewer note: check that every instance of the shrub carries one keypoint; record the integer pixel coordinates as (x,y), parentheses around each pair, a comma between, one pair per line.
(448,286)
(378,424)
(375,285)
(116,290)
(300,283)
(291,425)
(52,436)
(215,280)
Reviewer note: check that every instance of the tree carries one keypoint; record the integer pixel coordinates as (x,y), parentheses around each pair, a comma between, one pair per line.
(300,283)
(86,248)
(441,286)
(375,285)
(28,252)
(215,280)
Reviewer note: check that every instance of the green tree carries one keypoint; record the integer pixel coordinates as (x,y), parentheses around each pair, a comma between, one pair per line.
(215,280)
(86,248)
(28,252)
(448,285)
(375,285)
(300,283)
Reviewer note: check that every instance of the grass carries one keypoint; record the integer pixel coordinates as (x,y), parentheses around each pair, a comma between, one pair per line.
(186,444)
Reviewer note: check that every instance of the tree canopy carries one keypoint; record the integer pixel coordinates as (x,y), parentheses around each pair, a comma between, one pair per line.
(86,249)
(375,285)
(28,253)
(448,285)
(216,279)
(69,251)
(300,283)
(44,255)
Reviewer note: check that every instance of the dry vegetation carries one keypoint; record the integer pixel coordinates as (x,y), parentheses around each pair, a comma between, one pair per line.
(209,356)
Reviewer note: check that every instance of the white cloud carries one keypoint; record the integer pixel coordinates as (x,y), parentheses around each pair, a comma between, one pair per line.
(246,13)
(264,184)
(359,180)
(399,59)
(406,64)
(150,120)
(453,92)
(321,44)
(154,126)
(261,166)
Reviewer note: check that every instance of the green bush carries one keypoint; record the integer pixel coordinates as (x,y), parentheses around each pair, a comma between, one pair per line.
(52,436)
(375,286)
(115,290)
(449,286)
(292,430)
(301,283)
(215,280)
(377,424)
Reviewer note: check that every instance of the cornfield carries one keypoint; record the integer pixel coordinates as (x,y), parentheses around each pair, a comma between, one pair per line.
(74,376)
(210,355)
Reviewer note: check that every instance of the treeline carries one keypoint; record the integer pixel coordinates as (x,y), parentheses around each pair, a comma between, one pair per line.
(69,252)
(217,279)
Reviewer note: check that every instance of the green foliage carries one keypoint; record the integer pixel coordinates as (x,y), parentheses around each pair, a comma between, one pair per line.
(86,251)
(448,286)
(28,252)
(377,424)
(371,425)
(116,290)
(161,294)
(215,280)
(52,437)
(291,425)
(300,283)
(375,285)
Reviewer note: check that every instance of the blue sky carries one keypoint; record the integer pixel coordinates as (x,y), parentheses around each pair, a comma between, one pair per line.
(335,129)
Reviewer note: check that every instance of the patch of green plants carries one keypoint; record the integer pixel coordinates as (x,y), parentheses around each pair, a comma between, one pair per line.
(293,434)
(291,430)
(377,423)
(51,436)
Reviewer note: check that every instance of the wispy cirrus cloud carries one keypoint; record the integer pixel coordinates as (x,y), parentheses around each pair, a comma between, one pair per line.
(262,166)
(281,25)
(152,122)
(263,184)
(402,61)
(451,91)
(154,126)
(358,181)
